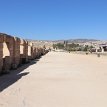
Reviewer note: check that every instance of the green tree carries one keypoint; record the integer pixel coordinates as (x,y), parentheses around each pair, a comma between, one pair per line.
(86,48)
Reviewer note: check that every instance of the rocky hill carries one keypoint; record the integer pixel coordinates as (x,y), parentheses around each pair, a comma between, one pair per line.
(49,43)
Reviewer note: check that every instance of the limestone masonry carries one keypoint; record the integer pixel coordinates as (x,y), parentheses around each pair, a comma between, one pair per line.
(15,51)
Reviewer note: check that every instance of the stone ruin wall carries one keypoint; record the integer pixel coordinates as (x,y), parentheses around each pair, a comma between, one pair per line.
(15,52)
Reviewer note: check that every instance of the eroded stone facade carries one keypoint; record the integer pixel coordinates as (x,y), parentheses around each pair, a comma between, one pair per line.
(15,51)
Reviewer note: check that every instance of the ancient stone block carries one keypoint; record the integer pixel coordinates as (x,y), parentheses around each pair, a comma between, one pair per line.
(16,53)
(6,64)
(34,52)
(1,56)
(26,50)
(8,46)
(1,51)
(30,51)
(23,51)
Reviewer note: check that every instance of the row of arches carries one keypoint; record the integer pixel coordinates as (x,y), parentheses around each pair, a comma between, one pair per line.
(15,51)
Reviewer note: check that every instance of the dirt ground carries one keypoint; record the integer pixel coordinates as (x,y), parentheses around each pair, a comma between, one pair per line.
(58,79)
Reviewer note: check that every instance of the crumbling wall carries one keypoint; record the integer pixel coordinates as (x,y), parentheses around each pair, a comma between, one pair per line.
(30,51)
(37,52)
(34,53)
(7,58)
(23,51)
(15,51)
(26,50)
(1,52)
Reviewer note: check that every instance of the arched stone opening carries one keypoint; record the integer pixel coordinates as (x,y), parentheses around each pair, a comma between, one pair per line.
(8,45)
(23,51)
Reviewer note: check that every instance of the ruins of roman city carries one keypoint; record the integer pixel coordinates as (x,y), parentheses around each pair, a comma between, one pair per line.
(15,52)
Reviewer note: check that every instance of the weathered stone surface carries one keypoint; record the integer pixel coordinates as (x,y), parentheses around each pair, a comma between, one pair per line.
(1,52)
(15,51)
(6,64)
(34,52)
(23,50)
(8,43)
(26,50)
(30,51)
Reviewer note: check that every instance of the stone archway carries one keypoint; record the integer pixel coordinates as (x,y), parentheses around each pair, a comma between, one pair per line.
(23,51)
(8,45)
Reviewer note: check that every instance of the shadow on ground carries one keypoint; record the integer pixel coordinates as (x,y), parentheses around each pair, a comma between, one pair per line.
(14,75)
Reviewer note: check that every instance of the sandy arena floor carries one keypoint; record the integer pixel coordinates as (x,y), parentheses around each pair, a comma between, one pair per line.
(57,80)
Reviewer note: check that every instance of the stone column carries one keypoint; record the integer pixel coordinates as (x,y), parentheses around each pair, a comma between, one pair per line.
(37,52)
(102,49)
(16,53)
(34,54)
(7,52)
(30,51)
(1,52)
(10,43)
(26,50)
(23,51)
(96,50)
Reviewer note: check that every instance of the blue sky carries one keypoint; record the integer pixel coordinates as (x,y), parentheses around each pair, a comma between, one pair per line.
(54,19)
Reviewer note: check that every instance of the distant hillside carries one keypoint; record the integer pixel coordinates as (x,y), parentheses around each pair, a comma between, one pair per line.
(49,43)
(40,43)
(77,40)
(70,40)
(82,40)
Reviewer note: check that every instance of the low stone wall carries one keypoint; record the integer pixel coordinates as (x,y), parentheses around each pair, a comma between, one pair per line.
(15,51)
